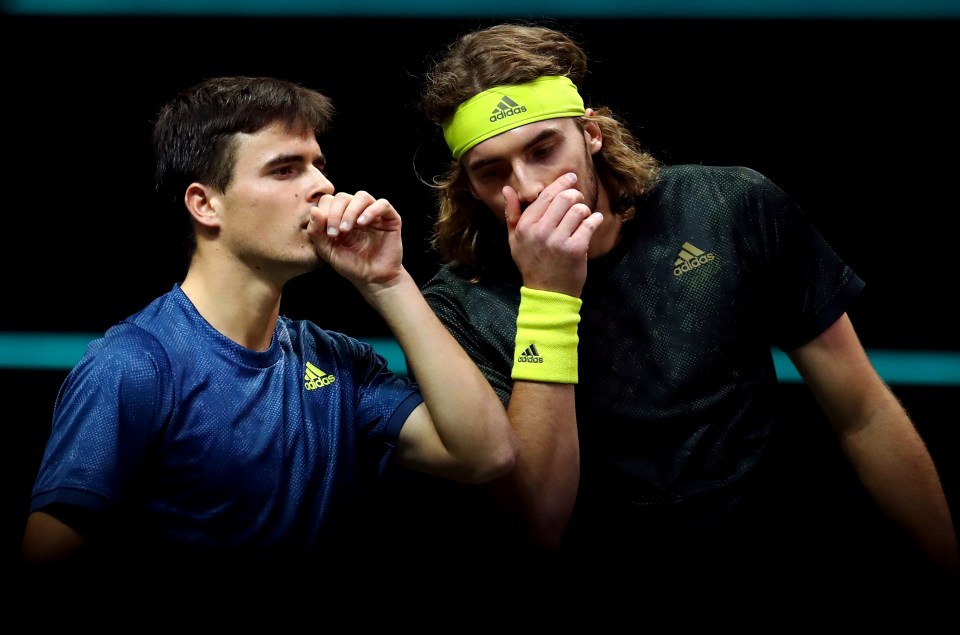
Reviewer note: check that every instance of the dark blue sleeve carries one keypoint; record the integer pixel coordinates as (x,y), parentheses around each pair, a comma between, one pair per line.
(109,410)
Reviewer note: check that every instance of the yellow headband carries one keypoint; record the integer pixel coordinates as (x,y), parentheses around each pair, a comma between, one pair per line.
(503,108)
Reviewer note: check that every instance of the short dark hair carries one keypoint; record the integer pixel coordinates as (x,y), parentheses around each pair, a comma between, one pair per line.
(194,132)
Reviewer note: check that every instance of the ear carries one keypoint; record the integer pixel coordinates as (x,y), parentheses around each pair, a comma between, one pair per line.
(592,134)
(201,204)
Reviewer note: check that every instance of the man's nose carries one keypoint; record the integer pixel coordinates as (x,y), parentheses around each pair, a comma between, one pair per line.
(528,186)
(321,185)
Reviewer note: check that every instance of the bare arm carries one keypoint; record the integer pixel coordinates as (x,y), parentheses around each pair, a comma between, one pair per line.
(879,439)
(47,540)
(549,241)
(461,431)
(547,474)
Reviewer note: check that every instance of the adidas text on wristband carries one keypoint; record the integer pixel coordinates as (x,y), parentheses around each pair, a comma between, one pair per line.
(546,341)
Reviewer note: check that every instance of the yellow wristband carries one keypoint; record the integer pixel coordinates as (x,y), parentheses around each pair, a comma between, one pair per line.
(546,344)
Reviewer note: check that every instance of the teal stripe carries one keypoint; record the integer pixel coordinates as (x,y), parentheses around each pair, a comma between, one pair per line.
(920,368)
(43,351)
(60,351)
(771,9)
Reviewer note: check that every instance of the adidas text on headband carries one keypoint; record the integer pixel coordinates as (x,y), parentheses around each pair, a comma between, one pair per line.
(503,108)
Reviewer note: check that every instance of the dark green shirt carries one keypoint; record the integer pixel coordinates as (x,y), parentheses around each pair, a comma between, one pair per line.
(676,394)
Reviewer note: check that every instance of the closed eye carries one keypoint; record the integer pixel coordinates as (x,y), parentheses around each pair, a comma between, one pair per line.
(545,149)
(491,173)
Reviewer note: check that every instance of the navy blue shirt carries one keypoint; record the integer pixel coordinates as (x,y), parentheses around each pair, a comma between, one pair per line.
(210,444)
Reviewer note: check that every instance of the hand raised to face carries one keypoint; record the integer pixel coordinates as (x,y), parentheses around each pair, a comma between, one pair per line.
(550,238)
(359,236)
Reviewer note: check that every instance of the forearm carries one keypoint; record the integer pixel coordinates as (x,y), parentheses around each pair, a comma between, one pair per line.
(546,476)
(894,465)
(466,413)
(543,414)
(879,439)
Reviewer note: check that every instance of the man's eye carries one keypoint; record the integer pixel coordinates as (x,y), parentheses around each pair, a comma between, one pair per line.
(543,152)
(490,174)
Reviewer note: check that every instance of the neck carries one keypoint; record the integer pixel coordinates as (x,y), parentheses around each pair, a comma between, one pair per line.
(242,308)
(608,235)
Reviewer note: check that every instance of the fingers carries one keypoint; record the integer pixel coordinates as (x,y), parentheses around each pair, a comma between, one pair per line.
(585,228)
(559,209)
(554,200)
(556,217)
(341,212)
(511,206)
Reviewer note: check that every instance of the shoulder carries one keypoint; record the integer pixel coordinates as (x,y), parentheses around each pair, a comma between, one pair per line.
(724,190)
(695,175)
(309,333)
(448,289)
(128,368)
(137,351)
(453,283)
(127,346)
(310,343)
(124,375)
(465,304)
(448,277)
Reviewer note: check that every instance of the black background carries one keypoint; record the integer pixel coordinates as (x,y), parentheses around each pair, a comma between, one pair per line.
(856,119)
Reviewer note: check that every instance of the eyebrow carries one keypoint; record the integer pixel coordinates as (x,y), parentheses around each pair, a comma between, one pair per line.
(543,134)
(280,159)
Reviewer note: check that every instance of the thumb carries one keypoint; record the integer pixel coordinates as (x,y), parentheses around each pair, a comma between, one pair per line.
(511,206)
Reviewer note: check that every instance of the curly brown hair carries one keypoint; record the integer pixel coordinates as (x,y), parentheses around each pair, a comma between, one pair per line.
(504,54)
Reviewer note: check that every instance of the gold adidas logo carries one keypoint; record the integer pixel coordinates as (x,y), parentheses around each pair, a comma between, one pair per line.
(314,378)
(689,258)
